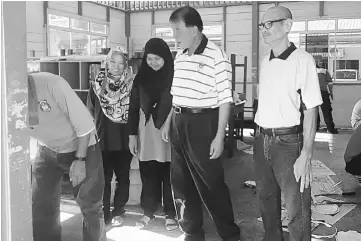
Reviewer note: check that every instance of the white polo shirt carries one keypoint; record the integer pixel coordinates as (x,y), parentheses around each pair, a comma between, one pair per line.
(202,80)
(280,79)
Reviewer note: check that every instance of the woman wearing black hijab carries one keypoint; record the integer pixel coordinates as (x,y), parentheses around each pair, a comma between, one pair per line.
(150,104)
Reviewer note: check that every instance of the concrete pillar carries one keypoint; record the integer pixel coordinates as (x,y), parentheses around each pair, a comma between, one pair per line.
(15,162)
(255,49)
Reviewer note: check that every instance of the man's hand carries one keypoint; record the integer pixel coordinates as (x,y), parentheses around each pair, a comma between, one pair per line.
(133,144)
(217,147)
(77,172)
(302,170)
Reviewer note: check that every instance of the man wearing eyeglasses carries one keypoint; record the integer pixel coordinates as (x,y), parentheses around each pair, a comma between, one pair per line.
(289,95)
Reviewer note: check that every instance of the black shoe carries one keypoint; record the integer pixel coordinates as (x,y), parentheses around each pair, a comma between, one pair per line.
(333,131)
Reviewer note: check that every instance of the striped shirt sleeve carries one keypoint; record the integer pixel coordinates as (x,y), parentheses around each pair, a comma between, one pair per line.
(223,77)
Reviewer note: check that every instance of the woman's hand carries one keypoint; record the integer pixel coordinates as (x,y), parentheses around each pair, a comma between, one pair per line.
(165,132)
(133,144)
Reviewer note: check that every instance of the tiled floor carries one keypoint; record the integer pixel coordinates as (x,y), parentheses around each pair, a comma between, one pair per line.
(328,148)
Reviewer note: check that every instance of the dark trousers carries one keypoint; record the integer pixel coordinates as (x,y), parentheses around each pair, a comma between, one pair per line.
(49,168)
(274,160)
(118,163)
(196,178)
(155,187)
(354,165)
(326,112)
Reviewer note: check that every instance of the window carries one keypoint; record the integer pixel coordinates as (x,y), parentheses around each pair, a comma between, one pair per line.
(298,26)
(349,24)
(329,24)
(347,64)
(98,28)
(83,37)
(79,25)
(214,32)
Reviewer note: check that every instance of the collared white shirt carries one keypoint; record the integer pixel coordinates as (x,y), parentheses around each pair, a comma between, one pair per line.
(283,81)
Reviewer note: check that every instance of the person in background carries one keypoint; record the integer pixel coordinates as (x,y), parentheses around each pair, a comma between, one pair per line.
(150,104)
(202,98)
(65,131)
(356,115)
(289,96)
(108,102)
(325,82)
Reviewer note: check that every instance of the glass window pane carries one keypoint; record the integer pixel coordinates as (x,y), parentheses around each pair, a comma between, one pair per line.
(59,21)
(217,40)
(97,43)
(79,24)
(213,30)
(58,40)
(349,23)
(98,28)
(171,44)
(80,43)
(298,26)
(322,25)
(163,32)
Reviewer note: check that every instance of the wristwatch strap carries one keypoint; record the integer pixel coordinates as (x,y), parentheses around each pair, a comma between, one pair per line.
(80,159)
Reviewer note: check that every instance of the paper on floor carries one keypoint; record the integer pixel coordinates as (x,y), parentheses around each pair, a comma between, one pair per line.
(323,184)
(318,168)
(348,236)
(244,147)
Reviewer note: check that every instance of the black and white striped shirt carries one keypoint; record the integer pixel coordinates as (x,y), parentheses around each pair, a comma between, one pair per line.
(202,80)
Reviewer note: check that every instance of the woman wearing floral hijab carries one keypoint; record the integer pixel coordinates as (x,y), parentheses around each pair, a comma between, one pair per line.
(150,105)
(108,101)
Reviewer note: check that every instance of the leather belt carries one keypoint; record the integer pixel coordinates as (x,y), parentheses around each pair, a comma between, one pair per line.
(180,110)
(281,131)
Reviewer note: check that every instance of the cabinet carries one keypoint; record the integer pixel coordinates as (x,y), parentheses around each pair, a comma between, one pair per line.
(77,70)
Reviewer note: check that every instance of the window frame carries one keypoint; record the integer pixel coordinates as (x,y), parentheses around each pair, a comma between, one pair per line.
(72,30)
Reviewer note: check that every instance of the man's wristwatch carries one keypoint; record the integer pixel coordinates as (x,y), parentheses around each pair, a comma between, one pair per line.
(80,159)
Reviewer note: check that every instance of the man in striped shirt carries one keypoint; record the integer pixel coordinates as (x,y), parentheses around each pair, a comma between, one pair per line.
(201,99)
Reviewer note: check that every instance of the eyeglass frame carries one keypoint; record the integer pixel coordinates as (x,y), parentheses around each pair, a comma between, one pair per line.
(262,26)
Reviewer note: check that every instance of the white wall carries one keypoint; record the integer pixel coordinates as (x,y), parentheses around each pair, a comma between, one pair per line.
(36,31)
(140,30)
(117,28)
(34,28)
(239,41)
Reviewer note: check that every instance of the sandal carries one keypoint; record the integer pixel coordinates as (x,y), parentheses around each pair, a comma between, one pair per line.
(143,222)
(171,224)
(118,220)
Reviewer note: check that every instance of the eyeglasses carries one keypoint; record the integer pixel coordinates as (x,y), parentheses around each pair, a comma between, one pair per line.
(268,24)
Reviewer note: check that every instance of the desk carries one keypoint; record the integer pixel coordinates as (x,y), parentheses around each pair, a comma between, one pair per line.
(236,109)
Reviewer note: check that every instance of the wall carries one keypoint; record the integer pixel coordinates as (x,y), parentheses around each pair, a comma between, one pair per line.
(117,28)
(140,30)
(36,31)
(16,216)
(35,28)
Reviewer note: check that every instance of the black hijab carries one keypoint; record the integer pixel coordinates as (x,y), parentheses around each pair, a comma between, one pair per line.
(154,86)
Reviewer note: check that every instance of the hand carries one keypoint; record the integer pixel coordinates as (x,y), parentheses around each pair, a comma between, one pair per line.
(165,132)
(216,147)
(133,144)
(302,170)
(331,96)
(77,172)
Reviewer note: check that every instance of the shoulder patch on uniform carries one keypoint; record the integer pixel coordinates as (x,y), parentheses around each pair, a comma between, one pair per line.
(44,105)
